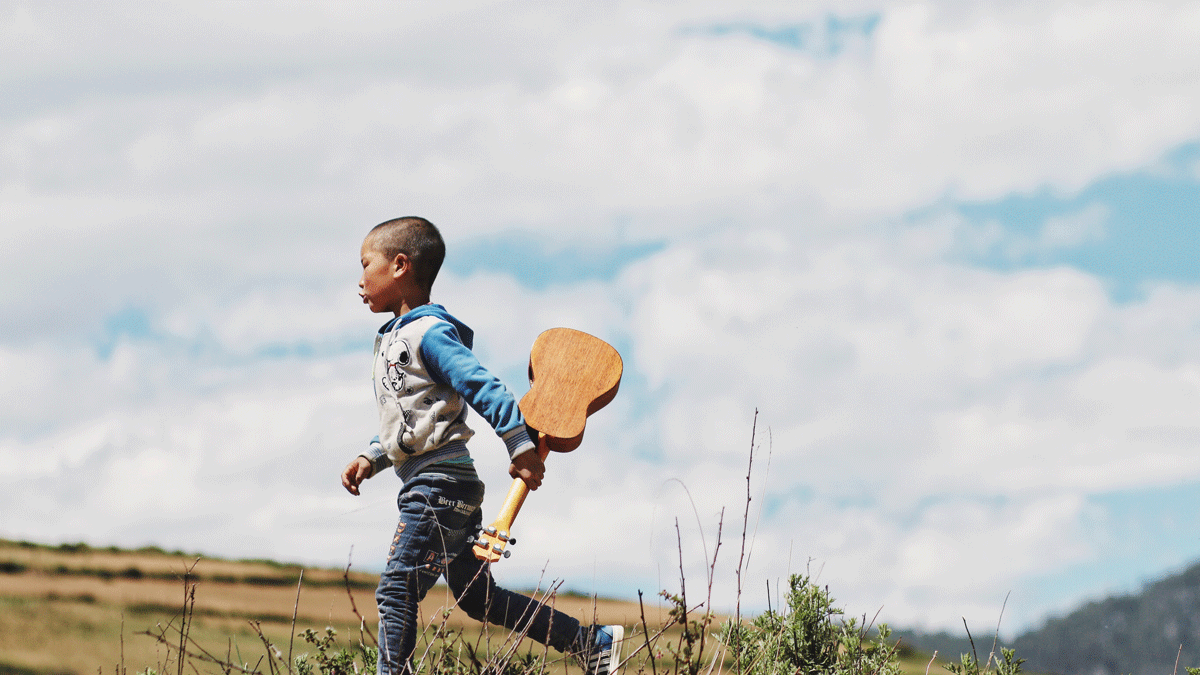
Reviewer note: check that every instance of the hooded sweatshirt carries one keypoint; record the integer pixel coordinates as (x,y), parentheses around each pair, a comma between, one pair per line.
(425,376)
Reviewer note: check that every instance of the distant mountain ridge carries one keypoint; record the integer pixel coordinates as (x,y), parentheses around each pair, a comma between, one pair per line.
(1137,634)
(1129,634)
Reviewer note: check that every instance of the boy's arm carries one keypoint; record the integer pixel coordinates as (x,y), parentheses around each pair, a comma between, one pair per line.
(358,470)
(364,466)
(449,361)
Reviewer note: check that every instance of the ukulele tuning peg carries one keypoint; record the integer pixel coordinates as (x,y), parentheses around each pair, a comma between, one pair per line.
(470,540)
(512,541)
(490,529)
(507,554)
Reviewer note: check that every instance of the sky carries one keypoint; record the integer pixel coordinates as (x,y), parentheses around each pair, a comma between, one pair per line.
(937,263)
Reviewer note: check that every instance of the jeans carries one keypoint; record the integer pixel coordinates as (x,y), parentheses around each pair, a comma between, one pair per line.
(437,514)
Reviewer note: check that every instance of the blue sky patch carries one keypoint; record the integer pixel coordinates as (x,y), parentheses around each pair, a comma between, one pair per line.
(1142,536)
(330,347)
(129,323)
(824,38)
(538,265)
(1128,229)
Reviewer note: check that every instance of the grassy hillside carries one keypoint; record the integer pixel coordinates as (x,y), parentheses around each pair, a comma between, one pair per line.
(75,609)
(82,610)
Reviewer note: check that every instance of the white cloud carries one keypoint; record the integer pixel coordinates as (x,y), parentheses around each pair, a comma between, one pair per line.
(968,102)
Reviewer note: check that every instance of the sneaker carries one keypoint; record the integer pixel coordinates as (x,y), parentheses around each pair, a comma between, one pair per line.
(603,657)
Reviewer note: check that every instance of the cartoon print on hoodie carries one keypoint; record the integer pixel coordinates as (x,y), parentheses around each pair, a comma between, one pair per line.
(398,355)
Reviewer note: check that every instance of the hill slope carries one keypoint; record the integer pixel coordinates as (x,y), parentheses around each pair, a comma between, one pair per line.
(78,609)
(1139,634)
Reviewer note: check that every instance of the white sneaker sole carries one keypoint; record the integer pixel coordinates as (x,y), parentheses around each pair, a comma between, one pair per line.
(615,659)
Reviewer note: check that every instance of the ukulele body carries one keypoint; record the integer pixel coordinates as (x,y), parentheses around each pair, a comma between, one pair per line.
(572,375)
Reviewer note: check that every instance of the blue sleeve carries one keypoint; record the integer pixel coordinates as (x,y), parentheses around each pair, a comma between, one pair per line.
(450,362)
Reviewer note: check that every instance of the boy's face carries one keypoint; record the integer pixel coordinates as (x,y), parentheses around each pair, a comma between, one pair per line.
(379,286)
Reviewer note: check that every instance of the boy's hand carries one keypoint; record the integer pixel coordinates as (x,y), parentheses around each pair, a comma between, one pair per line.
(528,467)
(356,472)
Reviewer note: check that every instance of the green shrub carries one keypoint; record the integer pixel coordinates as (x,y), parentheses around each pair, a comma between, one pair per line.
(808,637)
(1007,664)
(329,661)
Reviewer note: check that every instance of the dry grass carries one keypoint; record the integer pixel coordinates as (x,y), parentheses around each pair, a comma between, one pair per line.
(74,634)
(65,560)
(62,612)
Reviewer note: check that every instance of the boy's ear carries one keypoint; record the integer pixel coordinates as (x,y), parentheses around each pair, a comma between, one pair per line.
(401,263)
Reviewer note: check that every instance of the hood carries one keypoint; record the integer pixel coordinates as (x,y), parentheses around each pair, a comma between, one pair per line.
(464,332)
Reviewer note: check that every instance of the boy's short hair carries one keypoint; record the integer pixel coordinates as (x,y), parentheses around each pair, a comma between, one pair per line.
(416,238)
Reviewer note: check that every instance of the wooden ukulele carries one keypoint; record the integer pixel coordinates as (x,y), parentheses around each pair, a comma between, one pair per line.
(571,375)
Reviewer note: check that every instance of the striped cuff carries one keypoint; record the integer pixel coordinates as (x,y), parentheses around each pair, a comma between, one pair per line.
(376,456)
(517,442)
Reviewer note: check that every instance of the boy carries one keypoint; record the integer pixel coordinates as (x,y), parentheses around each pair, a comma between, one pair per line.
(425,375)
